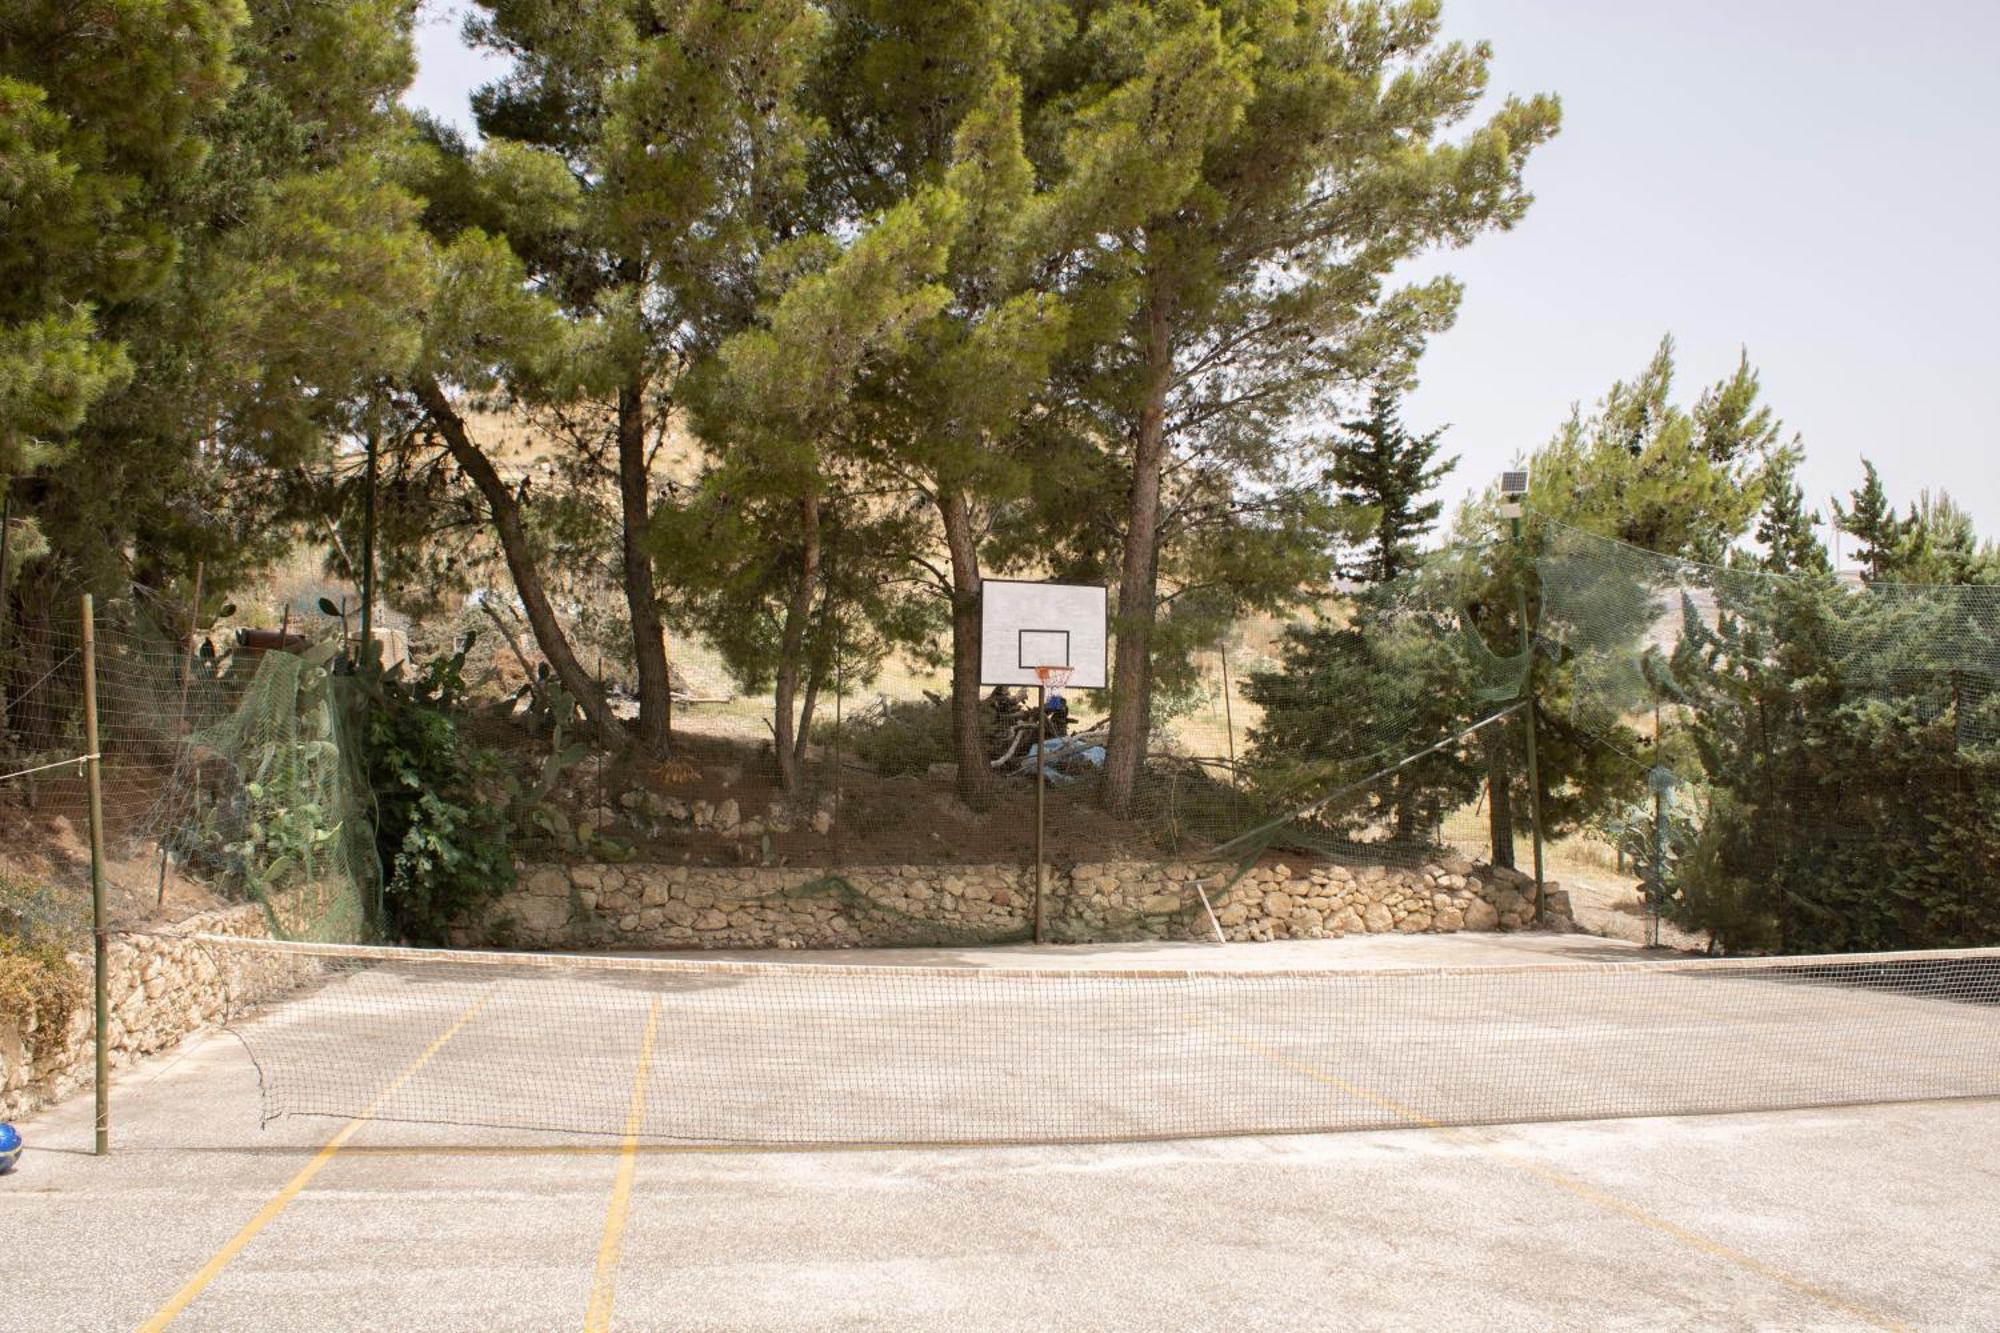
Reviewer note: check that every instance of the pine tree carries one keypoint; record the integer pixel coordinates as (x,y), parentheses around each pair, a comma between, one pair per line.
(1380,466)
(1785,526)
(679,127)
(1872,521)
(1298,155)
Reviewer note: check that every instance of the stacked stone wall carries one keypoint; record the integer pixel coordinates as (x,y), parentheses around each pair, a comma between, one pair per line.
(640,906)
(162,988)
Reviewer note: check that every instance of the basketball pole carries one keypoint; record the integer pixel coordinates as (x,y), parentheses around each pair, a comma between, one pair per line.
(1041,862)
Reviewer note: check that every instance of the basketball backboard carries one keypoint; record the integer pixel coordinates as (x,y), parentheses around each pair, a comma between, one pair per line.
(1026,625)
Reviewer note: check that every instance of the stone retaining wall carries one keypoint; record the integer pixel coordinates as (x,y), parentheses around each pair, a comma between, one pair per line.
(700,907)
(162,989)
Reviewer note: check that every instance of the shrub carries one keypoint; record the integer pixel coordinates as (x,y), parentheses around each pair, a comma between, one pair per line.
(441,823)
(895,736)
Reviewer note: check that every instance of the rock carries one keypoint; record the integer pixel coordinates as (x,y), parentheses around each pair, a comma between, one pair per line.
(1555,902)
(711,920)
(1448,919)
(1415,923)
(1376,919)
(1277,905)
(1160,904)
(727,816)
(632,800)
(1481,915)
(822,822)
(1347,921)
(666,807)
(546,882)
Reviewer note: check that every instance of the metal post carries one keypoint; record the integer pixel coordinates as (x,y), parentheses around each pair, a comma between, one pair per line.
(6,545)
(1041,865)
(1659,858)
(839,692)
(100,938)
(1228,714)
(368,657)
(6,611)
(1534,770)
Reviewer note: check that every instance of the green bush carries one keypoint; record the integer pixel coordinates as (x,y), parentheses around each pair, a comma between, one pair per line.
(441,823)
(894,737)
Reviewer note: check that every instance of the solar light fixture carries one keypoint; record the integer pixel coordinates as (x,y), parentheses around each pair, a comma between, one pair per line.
(1513,486)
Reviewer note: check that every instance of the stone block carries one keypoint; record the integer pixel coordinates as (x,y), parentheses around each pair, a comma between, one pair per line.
(1481,915)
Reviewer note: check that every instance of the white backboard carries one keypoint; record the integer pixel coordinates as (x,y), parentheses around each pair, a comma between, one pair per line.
(1026,625)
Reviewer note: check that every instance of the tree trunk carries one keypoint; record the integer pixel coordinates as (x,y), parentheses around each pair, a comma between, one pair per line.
(506,511)
(649,645)
(968,732)
(787,737)
(1132,663)
(1499,793)
(815,675)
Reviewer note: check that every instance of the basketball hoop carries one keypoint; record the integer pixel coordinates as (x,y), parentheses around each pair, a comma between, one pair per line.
(1053,677)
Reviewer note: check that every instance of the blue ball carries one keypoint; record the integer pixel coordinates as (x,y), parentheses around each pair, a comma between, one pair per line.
(10,1148)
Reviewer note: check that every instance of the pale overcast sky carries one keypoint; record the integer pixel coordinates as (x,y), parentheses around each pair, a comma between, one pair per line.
(1813,180)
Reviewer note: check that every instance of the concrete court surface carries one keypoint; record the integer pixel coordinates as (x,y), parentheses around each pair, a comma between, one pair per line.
(1870,1216)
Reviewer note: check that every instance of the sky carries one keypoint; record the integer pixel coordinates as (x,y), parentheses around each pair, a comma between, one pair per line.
(1813,181)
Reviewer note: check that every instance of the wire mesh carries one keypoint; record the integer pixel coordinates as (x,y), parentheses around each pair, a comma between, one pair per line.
(1812,762)
(236,767)
(750,1053)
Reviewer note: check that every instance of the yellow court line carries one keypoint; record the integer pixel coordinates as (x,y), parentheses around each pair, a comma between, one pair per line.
(209,1271)
(1567,1183)
(603,1286)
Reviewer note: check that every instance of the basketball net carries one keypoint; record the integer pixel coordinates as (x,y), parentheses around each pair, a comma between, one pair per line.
(1053,677)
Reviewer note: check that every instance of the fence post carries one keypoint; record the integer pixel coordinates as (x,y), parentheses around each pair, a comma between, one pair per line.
(99,936)
(1528,689)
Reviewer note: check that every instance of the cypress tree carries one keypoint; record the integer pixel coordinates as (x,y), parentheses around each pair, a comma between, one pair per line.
(1380,465)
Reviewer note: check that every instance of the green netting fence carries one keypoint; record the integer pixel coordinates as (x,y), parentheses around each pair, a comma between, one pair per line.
(225,772)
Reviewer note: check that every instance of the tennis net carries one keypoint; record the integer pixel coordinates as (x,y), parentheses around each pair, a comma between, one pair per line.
(716,1052)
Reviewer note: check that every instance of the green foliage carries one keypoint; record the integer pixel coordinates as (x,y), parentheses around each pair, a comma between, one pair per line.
(208,180)
(1380,468)
(293,829)
(1854,749)
(1681,481)
(442,831)
(1933,543)
(1341,704)
(899,737)
(1785,528)
(39,986)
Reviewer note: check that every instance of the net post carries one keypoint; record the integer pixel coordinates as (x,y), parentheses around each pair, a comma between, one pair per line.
(100,940)
(1041,862)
